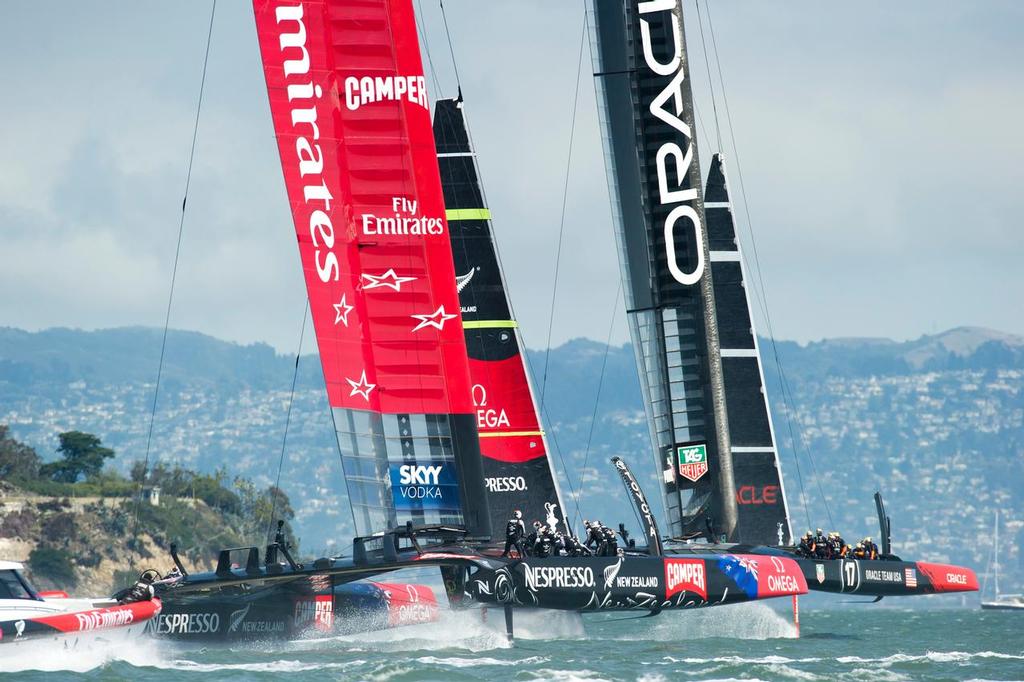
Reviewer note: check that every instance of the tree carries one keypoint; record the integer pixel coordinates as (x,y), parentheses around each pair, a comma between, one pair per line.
(17,460)
(83,454)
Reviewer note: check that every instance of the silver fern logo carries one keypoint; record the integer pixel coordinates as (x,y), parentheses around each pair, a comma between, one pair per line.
(462,281)
(610,572)
(237,617)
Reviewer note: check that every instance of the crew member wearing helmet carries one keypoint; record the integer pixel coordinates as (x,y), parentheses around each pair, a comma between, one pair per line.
(142,590)
(515,530)
(806,546)
(820,545)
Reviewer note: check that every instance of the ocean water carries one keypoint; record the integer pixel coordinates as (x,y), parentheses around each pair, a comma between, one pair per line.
(749,642)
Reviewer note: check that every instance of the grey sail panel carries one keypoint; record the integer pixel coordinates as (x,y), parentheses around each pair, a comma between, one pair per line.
(760,494)
(646,111)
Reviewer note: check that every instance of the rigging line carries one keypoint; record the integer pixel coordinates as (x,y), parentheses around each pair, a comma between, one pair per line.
(451,50)
(170,296)
(542,415)
(703,129)
(597,397)
(420,26)
(287,421)
(711,85)
(763,298)
(561,221)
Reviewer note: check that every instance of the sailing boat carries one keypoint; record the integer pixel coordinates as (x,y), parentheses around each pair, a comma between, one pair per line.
(689,316)
(434,416)
(1005,602)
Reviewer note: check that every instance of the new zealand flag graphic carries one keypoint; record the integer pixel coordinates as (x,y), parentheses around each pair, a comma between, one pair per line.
(742,572)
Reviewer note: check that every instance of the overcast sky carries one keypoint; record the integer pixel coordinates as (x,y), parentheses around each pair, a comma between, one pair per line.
(880,144)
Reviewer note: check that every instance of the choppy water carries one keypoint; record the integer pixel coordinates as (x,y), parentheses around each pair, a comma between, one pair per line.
(738,642)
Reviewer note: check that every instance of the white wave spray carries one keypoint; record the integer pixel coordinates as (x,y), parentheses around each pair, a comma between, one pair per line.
(740,621)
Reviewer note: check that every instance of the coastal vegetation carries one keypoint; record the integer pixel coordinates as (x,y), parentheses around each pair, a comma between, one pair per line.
(76,522)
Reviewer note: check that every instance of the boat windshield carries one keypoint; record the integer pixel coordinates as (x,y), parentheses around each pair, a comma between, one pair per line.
(13,587)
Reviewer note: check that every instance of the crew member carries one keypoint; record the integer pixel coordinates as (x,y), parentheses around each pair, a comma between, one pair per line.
(858,551)
(545,545)
(531,539)
(515,529)
(573,546)
(870,549)
(594,536)
(609,543)
(806,546)
(142,590)
(839,545)
(820,545)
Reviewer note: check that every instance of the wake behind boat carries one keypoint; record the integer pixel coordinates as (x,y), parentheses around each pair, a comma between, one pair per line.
(49,621)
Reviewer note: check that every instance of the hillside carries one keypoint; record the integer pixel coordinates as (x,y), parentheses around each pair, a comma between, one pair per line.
(937,423)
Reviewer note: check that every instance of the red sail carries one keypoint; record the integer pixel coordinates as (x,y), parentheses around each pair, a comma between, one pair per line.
(353,125)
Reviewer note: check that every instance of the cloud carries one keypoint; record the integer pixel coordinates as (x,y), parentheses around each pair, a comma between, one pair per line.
(878,144)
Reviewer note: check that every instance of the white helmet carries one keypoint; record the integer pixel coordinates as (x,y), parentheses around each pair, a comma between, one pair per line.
(517,514)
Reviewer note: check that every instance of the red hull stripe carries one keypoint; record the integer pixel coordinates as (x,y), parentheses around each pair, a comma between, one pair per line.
(949,578)
(409,604)
(101,619)
(349,107)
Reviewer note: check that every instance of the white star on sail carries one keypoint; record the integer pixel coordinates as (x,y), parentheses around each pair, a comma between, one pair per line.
(361,387)
(388,279)
(341,311)
(435,319)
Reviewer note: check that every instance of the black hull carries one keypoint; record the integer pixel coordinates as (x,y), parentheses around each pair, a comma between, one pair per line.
(634,582)
(304,607)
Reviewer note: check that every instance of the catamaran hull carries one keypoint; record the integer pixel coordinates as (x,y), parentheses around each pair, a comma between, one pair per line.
(886,578)
(302,608)
(76,630)
(635,582)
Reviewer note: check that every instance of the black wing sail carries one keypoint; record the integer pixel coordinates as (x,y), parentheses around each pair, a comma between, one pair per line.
(760,495)
(516,467)
(646,109)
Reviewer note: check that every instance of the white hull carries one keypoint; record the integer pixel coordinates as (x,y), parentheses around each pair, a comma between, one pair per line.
(1003,605)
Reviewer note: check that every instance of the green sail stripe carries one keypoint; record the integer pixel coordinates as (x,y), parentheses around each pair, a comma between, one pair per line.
(468,214)
(489,324)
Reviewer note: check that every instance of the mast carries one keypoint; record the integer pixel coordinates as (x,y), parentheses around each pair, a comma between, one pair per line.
(997,555)
(349,105)
(646,108)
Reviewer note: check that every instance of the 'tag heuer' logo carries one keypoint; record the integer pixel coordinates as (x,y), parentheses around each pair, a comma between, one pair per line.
(685,575)
(693,461)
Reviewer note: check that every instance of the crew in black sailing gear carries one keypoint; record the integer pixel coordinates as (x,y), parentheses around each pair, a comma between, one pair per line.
(820,545)
(545,545)
(870,549)
(515,529)
(142,590)
(573,546)
(837,546)
(806,546)
(609,544)
(594,536)
(531,539)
